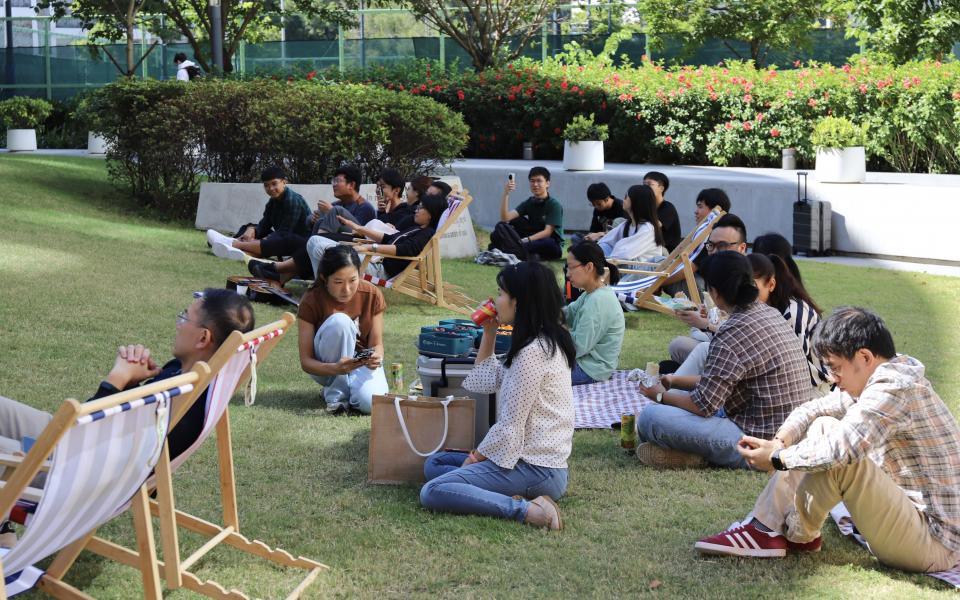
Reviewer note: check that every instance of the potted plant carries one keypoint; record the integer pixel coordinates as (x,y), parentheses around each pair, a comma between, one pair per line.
(840,153)
(583,144)
(21,115)
(85,114)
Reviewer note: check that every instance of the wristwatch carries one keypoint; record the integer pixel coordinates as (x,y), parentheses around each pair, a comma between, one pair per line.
(776,462)
(374,246)
(659,397)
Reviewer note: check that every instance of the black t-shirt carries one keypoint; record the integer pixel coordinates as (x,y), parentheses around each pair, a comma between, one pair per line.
(409,243)
(397,216)
(603,219)
(669,224)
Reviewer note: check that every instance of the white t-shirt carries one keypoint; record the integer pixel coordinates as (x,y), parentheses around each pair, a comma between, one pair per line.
(182,74)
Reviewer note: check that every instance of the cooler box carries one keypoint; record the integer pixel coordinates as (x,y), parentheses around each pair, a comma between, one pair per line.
(444,376)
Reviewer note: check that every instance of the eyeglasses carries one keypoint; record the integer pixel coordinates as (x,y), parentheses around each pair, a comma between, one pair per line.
(711,246)
(337,180)
(572,267)
(183,318)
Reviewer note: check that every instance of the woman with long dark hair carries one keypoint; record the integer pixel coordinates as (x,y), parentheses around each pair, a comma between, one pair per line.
(519,469)
(595,318)
(339,316)
(755,375)
(776,244)
(639,238)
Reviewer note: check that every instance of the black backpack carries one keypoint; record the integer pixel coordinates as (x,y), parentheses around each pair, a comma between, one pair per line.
(194,72)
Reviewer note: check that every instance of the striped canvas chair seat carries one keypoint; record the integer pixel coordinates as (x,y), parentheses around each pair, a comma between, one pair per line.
(97,466)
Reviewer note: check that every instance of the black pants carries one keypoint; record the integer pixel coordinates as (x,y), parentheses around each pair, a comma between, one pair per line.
(284,243)
(547,248)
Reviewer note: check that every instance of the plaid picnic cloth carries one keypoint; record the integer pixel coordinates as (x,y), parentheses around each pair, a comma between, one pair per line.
(598,405)
(844,522)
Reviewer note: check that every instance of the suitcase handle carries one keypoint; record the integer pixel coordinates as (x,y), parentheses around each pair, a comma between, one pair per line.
(406,434)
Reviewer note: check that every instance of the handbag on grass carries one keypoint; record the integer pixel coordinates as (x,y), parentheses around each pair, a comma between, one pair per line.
(404,430)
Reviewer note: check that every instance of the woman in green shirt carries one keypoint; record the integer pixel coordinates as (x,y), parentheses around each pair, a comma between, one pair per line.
(595,318)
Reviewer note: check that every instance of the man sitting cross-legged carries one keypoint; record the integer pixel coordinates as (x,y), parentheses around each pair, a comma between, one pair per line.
(284,227)
(537,224)
(884,444)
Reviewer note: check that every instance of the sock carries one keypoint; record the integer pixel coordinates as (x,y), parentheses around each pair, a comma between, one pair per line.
(760,526)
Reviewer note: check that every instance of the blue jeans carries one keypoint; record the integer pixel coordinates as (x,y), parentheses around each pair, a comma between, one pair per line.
(546,248)
(579,376)
(714,438)
(483,488)
(336,338)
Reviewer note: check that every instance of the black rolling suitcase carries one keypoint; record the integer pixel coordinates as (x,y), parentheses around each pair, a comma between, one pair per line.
(811,223)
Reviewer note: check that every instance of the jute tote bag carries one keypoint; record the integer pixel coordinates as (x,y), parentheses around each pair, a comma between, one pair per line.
(404,430)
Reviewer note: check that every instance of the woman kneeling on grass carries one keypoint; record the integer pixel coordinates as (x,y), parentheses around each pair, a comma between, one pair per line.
(524,455)
(595,318)
(340,316)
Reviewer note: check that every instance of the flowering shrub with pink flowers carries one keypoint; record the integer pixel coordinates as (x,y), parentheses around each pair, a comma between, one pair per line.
(723,115)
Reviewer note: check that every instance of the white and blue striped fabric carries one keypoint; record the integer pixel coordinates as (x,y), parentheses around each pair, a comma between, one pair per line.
(98,465)
(628,291)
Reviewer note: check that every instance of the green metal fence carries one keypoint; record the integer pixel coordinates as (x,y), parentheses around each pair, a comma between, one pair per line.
(57,66)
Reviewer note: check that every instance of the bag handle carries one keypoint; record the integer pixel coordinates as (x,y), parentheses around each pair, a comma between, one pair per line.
(406,434)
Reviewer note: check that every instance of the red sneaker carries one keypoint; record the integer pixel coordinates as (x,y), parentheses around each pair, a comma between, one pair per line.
(744,541)
(811,546)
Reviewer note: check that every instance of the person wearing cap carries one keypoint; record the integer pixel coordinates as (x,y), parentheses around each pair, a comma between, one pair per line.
(756,373)
(607,213)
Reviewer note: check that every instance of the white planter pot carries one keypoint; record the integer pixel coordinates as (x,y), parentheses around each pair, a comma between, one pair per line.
(583,156)
(841,165)
(21,140)
(96,144)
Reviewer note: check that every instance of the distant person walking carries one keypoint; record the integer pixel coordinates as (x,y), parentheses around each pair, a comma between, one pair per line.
(186,70)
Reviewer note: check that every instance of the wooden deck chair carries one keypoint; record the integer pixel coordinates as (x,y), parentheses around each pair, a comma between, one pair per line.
(101,454)
(423,278)
(233,364)
(640,291)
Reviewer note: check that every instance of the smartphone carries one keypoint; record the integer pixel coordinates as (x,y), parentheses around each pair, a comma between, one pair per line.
(511,176)
(363,354)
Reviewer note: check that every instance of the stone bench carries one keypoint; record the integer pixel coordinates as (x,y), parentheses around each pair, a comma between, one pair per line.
(227,206)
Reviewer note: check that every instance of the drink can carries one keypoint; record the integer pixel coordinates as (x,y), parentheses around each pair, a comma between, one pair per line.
(484,311)
(628,433)
(713,316)
(396,378)
(653,369)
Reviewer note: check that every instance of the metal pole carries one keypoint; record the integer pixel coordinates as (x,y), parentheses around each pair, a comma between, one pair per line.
(10,71)
(46,55)
(216,36)
(443,52)
(340,47)
(143,51)
(363,49)
(543,42)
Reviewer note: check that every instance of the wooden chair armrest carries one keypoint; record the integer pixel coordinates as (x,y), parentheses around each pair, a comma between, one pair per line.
(410,258)
(14,460)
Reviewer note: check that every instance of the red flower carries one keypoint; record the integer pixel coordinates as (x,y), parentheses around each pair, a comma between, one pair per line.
(512,97)
(728,125)
(575,89)
(796,63)
(812,102)
(775,132)
(498,77)
(423,87)
(556,130)
(863,88)
(547,84)
(747,126)
(667,140)
(564,85)
(536,123)
(581,92)
(460,95)
(747,98)
(790,94)
(956,95)
(402,88)
(311,75)
(759,117)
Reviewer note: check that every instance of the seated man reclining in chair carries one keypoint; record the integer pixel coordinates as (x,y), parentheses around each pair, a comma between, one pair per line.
(200,330)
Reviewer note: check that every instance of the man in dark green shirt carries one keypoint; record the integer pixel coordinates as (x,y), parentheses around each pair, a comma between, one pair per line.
(538,221)
(283,229)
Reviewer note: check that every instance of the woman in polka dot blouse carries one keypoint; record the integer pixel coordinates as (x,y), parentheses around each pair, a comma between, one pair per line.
(520,468)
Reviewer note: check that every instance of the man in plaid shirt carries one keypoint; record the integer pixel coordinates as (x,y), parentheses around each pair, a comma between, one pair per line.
(884,444)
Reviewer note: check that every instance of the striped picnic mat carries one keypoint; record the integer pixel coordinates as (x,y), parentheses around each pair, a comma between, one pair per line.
(597,405)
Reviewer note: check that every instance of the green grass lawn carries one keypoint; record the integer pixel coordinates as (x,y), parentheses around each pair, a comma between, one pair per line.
(84,269)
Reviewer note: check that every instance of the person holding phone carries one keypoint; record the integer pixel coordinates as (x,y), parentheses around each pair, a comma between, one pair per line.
(519,469)
(535,227)
(340,324)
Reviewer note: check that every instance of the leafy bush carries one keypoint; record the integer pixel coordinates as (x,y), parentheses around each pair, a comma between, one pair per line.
(163,135)
(733,114)
(837,132)
(583,128)
(62,128)
(23,112)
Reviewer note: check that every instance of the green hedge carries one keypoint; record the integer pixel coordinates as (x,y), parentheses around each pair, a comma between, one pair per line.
(722,115)
(164,136)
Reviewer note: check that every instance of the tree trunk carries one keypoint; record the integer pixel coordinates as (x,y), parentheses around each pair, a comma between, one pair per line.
(131,29)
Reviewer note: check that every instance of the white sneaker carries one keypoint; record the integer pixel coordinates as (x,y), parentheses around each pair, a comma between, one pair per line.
(228,251)
(214,237)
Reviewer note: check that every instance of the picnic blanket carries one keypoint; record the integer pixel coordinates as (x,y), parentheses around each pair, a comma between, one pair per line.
(845,523)
(597,405)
